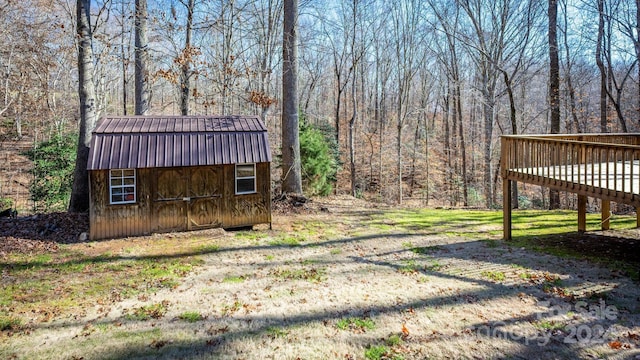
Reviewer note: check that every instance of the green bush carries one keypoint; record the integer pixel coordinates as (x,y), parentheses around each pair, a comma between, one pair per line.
(53,165)
(318,159)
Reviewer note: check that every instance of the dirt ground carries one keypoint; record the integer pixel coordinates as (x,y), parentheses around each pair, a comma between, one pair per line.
(353,284)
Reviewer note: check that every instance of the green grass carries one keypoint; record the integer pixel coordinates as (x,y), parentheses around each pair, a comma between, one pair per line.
(355,324)
(549,325)
(147,312)
(286,240)
(377,352)
(191,316)
(209,248)
(410,267)
(250,235)
(394,340)
(48,286)
(277,332)
(425,250)
(10,323)
(535,230)
(233,279)
(494,275)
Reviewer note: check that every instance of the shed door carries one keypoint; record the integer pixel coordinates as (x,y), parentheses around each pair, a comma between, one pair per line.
(205,193)
(188,198)
(169,202)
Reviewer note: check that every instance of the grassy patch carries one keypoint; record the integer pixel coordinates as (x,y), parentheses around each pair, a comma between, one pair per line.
(229,309)
(276,332)
(233,279)
(355,324)
(147,312)
(209,248)
(494,275)
(394,340)
(10,323)
(48,286)
(250,235)
(425,250)
(549,325)
(307,273)
(191,316)
(286,240)
(410,267)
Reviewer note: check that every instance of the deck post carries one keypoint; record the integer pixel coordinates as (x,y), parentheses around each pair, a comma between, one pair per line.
(638,217)
(582,213)
(506,208)
(606,213)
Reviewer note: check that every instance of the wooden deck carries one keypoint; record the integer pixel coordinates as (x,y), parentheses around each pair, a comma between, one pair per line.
(604,166)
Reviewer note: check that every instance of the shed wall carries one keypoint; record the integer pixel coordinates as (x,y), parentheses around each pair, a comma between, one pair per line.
(112,221)
(249,209)
(142,218)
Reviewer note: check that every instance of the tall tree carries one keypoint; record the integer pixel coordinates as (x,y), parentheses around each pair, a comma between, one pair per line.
(291,167)
(79,201)
(603,72)
(142,59)
(187,55)
(554,86)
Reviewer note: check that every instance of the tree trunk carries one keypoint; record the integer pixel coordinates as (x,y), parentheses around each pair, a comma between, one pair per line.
(352,146)
(554,86)
(185,75)
(142,58)
(603,74)
(123,20)
(79,201)
(291,167)
(637,48)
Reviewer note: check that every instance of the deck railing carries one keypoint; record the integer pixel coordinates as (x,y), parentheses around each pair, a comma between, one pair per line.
(605,166)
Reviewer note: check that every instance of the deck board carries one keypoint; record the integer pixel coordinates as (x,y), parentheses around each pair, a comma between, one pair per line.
(604,166)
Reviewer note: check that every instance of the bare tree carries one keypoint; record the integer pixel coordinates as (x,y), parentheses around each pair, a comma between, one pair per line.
(600,63)
(291,167)
(79,201)
(554,86)
(186,58)
(142,59)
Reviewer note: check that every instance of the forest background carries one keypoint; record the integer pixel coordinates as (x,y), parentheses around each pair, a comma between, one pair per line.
(412,95)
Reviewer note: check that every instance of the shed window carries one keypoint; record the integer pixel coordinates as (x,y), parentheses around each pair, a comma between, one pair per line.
(246,179)
(122,186)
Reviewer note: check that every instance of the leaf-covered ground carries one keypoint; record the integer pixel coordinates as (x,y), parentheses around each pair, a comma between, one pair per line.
(350,282)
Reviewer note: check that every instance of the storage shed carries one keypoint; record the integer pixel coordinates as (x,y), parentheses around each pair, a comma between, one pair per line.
(152,174)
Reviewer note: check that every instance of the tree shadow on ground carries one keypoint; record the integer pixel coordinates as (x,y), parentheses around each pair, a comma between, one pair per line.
(490,256)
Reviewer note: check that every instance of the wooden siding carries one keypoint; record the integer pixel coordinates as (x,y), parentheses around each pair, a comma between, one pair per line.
(179,199)
(247,209)
(112,221)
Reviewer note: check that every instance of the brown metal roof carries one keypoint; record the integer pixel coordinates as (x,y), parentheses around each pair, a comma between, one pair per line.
(128,142)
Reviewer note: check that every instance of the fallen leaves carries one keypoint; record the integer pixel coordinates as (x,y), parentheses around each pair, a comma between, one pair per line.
(405,331)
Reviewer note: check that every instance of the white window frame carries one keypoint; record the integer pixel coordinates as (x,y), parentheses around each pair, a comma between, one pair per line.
(122,186)
(245,178)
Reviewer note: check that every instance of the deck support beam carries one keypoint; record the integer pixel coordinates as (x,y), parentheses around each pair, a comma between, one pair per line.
(582,213)
(506,208)
(606,213)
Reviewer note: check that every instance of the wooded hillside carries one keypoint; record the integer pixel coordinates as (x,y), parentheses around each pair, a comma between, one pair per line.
(415,92)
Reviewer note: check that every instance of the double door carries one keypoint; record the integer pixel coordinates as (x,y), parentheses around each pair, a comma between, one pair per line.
(187,198)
